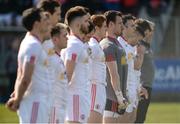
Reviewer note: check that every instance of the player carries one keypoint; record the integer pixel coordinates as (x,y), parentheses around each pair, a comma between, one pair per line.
(115,59)
(98,70)
(147,72)
(130,37)
(31,88)
(76,63)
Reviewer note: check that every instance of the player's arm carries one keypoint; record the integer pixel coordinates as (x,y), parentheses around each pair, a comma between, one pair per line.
(113,71)
(70,65)
(17,79)
(21,86)
(115,80)
(24,80)
(139,57)
(70,61)
(25,71)
(111,64)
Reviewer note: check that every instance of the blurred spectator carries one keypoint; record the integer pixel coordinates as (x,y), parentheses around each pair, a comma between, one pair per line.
(6,11)
(131,6)
(71,3)
(11,10)
(112,5)
(158,11)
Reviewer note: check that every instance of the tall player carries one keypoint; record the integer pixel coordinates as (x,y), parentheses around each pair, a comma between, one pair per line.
(53,9)
(98,70)
(31,84)
(76,63)
(115,59)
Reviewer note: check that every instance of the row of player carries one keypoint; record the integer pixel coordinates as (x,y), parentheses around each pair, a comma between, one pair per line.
(86,70)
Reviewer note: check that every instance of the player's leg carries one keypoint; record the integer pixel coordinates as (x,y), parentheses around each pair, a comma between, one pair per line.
(111,114)
(78,109)
(143,107)
(110,117)
(130,114)
(33,111)
(98,101)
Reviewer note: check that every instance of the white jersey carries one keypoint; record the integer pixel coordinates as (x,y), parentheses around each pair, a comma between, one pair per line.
(61,82)
(58,78)
(97,63)
(31,50)
(48,47)
(130,56)
(77,51)
(132,79)
(57,74)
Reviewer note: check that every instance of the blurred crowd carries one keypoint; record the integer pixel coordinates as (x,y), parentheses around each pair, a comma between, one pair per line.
(11,10)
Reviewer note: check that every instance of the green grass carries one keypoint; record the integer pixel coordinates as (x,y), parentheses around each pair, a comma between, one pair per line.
(163,113)
(157,113)
(7,116)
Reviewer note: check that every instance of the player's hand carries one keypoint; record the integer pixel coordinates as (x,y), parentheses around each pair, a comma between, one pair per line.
(12,94)
(143,92)
(140,49)
(123,105)
(121,100)
(12,104)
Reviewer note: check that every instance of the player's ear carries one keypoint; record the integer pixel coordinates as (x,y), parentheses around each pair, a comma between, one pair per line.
(111,24)
(54,39)
(96,28)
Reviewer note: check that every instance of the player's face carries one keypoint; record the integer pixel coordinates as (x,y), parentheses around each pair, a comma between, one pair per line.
(85,24)
(61,39)
(129,26)
(103,30)
(56,16)
(136,38)
(118,26)
(148,36)
(45,26)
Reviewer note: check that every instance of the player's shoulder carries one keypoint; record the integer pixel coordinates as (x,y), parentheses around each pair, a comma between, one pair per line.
(48,44)
(31,40)
(75,44)
(30,44)
(107,44)
(93,42)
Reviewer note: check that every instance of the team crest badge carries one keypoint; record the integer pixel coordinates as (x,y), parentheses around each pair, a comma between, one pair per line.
(51,52)
(89,51)
(82,116)
(97,106)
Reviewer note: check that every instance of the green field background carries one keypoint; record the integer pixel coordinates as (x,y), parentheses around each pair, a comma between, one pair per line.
(157,113)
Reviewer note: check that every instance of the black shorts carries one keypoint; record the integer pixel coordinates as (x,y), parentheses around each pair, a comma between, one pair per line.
(113,106)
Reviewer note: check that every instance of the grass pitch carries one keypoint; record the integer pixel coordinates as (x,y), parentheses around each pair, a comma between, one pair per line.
(157,113)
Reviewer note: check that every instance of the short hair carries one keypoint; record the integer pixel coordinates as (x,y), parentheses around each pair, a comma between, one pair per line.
(143,24)
(127,17)
(48,5)
(111,16)
(151,24)
(98,20)
(29,17)
(56,30)
(73,13)
(91,27)
(140,30)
